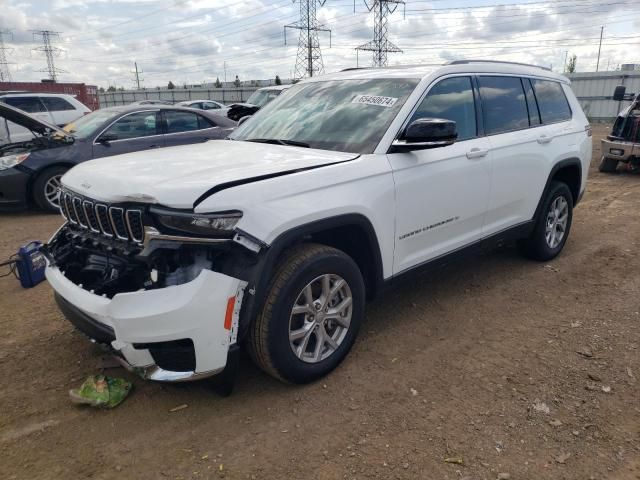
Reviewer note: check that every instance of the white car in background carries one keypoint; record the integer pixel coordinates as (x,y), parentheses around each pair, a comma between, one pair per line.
(219,108)
(54,108)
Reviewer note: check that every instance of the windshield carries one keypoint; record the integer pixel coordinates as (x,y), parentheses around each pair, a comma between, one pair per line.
(344,115)
(85,126)
(262,97)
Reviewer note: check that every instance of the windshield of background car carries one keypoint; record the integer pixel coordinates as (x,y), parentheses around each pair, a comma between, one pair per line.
(260,98)
(343,115)
(86,126)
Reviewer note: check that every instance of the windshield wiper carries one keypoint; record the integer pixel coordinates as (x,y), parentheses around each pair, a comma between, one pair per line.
(279,141)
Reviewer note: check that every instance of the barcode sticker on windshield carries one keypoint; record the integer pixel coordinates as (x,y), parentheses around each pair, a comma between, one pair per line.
(375,100)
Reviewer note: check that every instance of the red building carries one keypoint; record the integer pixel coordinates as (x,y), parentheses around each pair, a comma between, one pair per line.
(87,94)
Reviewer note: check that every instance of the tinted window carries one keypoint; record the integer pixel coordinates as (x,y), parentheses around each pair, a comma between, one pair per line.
(532,106)
(210,106)
(451,99)
(27,104)
(135,125)
(504,104)
(182,121)
(56,104)
(194,105)
(552,102)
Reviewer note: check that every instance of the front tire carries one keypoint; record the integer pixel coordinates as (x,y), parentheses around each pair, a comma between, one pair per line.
(552,225)
(608,165)
(45,188)
(312,314)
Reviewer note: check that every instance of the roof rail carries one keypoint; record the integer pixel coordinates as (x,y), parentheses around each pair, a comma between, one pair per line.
(463,62)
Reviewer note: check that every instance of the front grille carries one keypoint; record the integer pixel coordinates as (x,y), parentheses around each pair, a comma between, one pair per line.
(110,221)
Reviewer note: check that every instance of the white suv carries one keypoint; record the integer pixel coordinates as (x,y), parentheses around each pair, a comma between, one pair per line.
(273,239)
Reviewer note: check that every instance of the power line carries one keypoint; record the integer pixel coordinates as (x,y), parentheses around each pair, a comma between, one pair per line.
(49,52)
(5,74)
(309,57)
(380,45)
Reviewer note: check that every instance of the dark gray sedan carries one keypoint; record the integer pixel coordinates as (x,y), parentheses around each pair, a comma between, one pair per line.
(110,131)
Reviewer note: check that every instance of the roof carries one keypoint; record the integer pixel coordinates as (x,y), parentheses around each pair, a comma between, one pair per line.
(422,71)
(275,87)
(31,94)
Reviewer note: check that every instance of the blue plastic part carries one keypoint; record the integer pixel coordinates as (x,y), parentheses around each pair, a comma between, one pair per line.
(30,264)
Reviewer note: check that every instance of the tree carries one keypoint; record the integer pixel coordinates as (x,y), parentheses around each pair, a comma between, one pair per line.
(171,86)
(236,82)
(101,89)
(111,88)
(571,66)
(121,89)
(278,81)
(218,84)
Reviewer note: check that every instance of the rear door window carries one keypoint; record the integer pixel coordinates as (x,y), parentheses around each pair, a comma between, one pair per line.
(27,104)
(179,121)
(56,104)
(504,104)
(553,104)
(451,99)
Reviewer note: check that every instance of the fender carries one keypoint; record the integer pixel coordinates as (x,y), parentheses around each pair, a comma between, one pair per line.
(569,162)
(260,275)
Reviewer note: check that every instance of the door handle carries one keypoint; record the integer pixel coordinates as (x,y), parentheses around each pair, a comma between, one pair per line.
(477,153)
(542,139)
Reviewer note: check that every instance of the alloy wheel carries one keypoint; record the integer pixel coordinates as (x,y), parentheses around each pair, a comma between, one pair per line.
(557,219)
(52,190)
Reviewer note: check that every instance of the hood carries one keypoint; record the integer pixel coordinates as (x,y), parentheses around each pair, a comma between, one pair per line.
(180,177)
(27,121)
(243,105)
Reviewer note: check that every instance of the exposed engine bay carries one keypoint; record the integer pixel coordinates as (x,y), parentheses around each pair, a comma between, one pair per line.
(107,267)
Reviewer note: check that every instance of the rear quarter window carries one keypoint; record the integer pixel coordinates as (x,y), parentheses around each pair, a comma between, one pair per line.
(56,104)
(552,102)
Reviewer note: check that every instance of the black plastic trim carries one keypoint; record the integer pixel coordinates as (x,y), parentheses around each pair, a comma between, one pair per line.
(569,162)
(93,329)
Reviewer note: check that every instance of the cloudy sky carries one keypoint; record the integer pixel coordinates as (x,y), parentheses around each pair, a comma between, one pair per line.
(191,41)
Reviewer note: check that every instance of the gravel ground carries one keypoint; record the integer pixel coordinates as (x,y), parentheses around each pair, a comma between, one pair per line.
(495,368)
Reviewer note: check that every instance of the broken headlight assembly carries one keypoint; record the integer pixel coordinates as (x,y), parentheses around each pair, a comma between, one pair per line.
(199,224)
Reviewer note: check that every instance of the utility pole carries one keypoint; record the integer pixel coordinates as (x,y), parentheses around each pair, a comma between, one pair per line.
(137,73)
(49,51)
(566,54)
(599,48)
(309,57)
(225,72)
(5,74)
(380,45)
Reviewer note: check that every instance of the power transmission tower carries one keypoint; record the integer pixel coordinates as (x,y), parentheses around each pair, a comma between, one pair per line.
(309,58)
(49,51)
(380,45)
(5,74)
(137,73)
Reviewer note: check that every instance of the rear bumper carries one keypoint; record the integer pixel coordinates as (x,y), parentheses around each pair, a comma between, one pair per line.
(178,333)
(619,149)
(13,189)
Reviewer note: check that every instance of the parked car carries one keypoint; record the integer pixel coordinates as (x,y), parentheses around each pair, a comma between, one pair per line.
(623,144)
(255,102)
(216,107)
(273,241)
(34,175)
(56,108)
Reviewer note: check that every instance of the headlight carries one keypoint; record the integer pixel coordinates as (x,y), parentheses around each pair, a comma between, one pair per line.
(12,160)
(207,224)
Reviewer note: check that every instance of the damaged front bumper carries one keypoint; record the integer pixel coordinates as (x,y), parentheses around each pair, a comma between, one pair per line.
(177,333)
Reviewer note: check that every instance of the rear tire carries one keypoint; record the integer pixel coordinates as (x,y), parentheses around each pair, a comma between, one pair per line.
(45,186)
(312,314)
(608,165)
(552,226)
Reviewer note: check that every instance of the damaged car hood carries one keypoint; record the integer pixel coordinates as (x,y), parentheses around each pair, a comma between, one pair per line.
(180,177)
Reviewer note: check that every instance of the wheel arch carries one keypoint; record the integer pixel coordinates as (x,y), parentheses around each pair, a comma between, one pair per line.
(351,233)
(568,171)
(36,174)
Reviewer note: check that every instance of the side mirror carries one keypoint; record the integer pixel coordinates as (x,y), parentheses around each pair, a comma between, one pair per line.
(243,119)
(106,138)
(426,133)
(618,93)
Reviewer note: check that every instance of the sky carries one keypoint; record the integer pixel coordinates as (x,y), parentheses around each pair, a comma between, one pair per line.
(194,41)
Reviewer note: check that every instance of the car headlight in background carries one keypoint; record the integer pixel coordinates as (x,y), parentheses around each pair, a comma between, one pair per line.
(12,160)
(201,224)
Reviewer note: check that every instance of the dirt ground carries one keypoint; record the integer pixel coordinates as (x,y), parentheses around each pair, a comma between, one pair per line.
(495,368)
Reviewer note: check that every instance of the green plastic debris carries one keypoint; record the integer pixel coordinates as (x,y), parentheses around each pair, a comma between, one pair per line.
(101,391)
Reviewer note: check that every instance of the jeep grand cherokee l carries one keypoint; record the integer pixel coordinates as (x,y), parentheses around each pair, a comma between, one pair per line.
(273,239)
